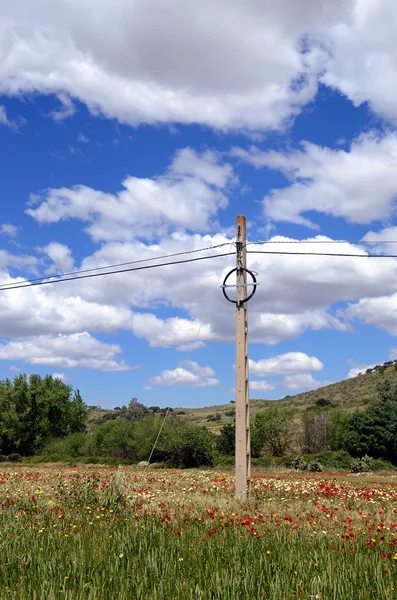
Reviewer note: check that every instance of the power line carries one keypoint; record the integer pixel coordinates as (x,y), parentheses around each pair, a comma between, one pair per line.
(356,242)
(336,254)
(179,262)
(132,262)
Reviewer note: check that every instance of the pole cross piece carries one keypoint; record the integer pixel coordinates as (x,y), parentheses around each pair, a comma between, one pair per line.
(239,297)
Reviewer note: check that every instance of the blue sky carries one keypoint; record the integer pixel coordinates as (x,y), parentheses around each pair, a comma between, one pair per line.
(122,139)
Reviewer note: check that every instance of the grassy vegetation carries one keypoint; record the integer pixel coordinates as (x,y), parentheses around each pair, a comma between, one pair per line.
(349,395)
(153,535)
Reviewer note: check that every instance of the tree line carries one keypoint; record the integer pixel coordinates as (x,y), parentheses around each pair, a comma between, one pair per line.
(46,418)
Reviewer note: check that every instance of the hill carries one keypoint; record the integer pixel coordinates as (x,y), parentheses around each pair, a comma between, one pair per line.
(349,395)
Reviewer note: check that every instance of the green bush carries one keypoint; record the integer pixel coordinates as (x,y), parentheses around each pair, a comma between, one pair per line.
(298,464)
(226,440)
(222,460)
(362,465)
(315,466)
(188,446)
(14,457)
(382,465)
(331,459)
(215,417)
(72,445)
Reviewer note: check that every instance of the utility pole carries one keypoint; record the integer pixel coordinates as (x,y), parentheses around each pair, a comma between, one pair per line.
(243,445)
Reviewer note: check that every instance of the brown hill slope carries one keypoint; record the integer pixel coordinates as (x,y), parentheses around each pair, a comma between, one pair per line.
(349,394)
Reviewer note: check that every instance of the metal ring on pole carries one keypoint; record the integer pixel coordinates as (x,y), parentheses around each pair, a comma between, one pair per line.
(254,284)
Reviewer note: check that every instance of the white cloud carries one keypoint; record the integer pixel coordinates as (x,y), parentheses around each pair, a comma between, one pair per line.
(362,60)
(261,386)
(60,376)
(82,139)
(301,381)
(355,371)
(187,196)
(300,293)
(223,63)
(8,229)
(79,350)
(17,261)
(166,333)
(285,364)
(380,312)
(66,110)
(188,374)
(4,120)
(61,256)
(360,185)
(393,353)
(380,240)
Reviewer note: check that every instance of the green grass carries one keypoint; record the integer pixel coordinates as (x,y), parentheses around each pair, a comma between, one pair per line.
(125,534)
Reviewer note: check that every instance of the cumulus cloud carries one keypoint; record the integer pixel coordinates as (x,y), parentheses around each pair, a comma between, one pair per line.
(380,312)
(187,196)
(188,374)
(261,386)
(285,364)
(362,61)
(60,255)
(79,350)
(9,229)
(300,295)
(358,185)
(174,332)
(301,381)
(355,371)
(223,63)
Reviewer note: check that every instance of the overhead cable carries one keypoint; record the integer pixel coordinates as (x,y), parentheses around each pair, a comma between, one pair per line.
(179,262)
(132,262)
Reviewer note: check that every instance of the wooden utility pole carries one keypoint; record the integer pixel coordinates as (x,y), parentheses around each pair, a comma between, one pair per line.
(243,450)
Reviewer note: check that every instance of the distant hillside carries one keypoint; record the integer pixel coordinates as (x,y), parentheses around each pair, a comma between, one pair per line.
(348,394)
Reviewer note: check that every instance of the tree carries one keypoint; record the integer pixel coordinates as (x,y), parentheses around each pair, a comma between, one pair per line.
(374,430)
(189,446)
(317,432)
(226,442)
(134,412)
(35,410)
(271,431)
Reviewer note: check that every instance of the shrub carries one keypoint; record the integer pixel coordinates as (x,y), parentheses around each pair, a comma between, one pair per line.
(225,442)
(216,417)
(321,402)
(339,459)
(362,465)
(188,446)
(382,465)
(315,466)
(298,464)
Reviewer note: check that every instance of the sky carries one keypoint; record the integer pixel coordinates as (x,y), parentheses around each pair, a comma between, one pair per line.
(134,129)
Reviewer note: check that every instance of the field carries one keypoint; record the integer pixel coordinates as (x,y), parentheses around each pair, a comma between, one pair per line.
(124,533)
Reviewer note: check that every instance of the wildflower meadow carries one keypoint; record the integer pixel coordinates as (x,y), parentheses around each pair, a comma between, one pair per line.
(124,533)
